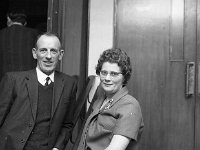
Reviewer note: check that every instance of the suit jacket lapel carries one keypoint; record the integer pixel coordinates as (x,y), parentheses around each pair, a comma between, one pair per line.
(58,89)
(32,85)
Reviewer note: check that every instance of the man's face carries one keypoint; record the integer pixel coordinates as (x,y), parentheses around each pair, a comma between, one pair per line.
(47,53)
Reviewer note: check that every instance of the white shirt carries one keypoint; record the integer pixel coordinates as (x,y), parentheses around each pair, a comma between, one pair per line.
(42,76)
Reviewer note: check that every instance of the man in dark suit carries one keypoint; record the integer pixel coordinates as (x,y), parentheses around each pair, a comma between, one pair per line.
(16,43)
(36,106)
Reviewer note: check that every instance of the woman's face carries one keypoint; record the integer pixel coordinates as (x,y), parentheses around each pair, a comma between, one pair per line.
(111,78)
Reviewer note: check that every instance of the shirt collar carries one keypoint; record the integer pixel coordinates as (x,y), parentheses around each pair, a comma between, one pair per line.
(42,76)
(17,23)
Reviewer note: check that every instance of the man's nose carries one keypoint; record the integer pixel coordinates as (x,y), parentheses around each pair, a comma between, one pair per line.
(48,55)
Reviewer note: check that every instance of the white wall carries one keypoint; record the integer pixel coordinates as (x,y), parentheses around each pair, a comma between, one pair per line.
(100,30)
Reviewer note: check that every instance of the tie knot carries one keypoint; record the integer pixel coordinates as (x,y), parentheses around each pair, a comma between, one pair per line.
(47,81)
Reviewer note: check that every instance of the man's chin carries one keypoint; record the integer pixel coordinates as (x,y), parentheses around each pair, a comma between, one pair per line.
(48,72)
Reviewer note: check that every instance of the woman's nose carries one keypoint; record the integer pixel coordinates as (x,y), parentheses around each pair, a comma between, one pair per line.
(108,77)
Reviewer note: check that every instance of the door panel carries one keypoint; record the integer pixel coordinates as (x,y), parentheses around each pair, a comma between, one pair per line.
(160,37)
(197,104)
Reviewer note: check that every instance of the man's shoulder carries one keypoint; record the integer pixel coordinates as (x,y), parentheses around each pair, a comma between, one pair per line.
(31,30)
(3,30)
(20,74)
(27,31)
(66,76)
(19,29)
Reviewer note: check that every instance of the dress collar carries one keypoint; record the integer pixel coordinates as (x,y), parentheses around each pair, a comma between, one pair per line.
(116,97)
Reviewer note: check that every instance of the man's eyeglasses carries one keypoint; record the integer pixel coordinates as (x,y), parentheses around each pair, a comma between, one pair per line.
(113,74)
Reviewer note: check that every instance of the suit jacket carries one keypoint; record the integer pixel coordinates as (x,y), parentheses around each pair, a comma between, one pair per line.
(16,43)
(18,108)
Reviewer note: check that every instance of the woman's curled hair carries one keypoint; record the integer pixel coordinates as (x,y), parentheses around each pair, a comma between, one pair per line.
(118,56)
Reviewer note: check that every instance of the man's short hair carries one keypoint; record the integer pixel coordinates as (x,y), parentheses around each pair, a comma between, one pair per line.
(17,15)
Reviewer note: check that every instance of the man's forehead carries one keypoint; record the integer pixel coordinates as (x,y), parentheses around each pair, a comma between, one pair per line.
(48,40)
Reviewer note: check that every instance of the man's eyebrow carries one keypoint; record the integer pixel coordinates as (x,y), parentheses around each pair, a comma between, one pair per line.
(42,48)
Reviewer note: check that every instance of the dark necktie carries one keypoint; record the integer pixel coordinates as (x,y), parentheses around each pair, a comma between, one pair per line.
(47,81)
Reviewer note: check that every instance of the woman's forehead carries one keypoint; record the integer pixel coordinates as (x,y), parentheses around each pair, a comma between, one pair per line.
(110,66)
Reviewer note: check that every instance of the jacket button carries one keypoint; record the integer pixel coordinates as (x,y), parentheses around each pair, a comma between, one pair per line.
(51,134)
(22,140)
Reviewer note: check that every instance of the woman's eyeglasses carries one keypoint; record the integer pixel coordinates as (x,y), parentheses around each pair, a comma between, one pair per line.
(113,74)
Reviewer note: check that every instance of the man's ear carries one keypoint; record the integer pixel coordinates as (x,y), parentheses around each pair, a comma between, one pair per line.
(34,52)
(25,23)
(61,54)
(9,21)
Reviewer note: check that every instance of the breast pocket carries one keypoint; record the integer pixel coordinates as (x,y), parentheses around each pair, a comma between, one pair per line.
(107,120)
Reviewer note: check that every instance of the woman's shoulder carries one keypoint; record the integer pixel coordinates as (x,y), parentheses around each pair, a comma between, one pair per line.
(128,104)
(129,99)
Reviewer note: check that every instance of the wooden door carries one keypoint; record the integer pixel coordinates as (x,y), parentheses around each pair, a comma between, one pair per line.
(161,38)
(197,94)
